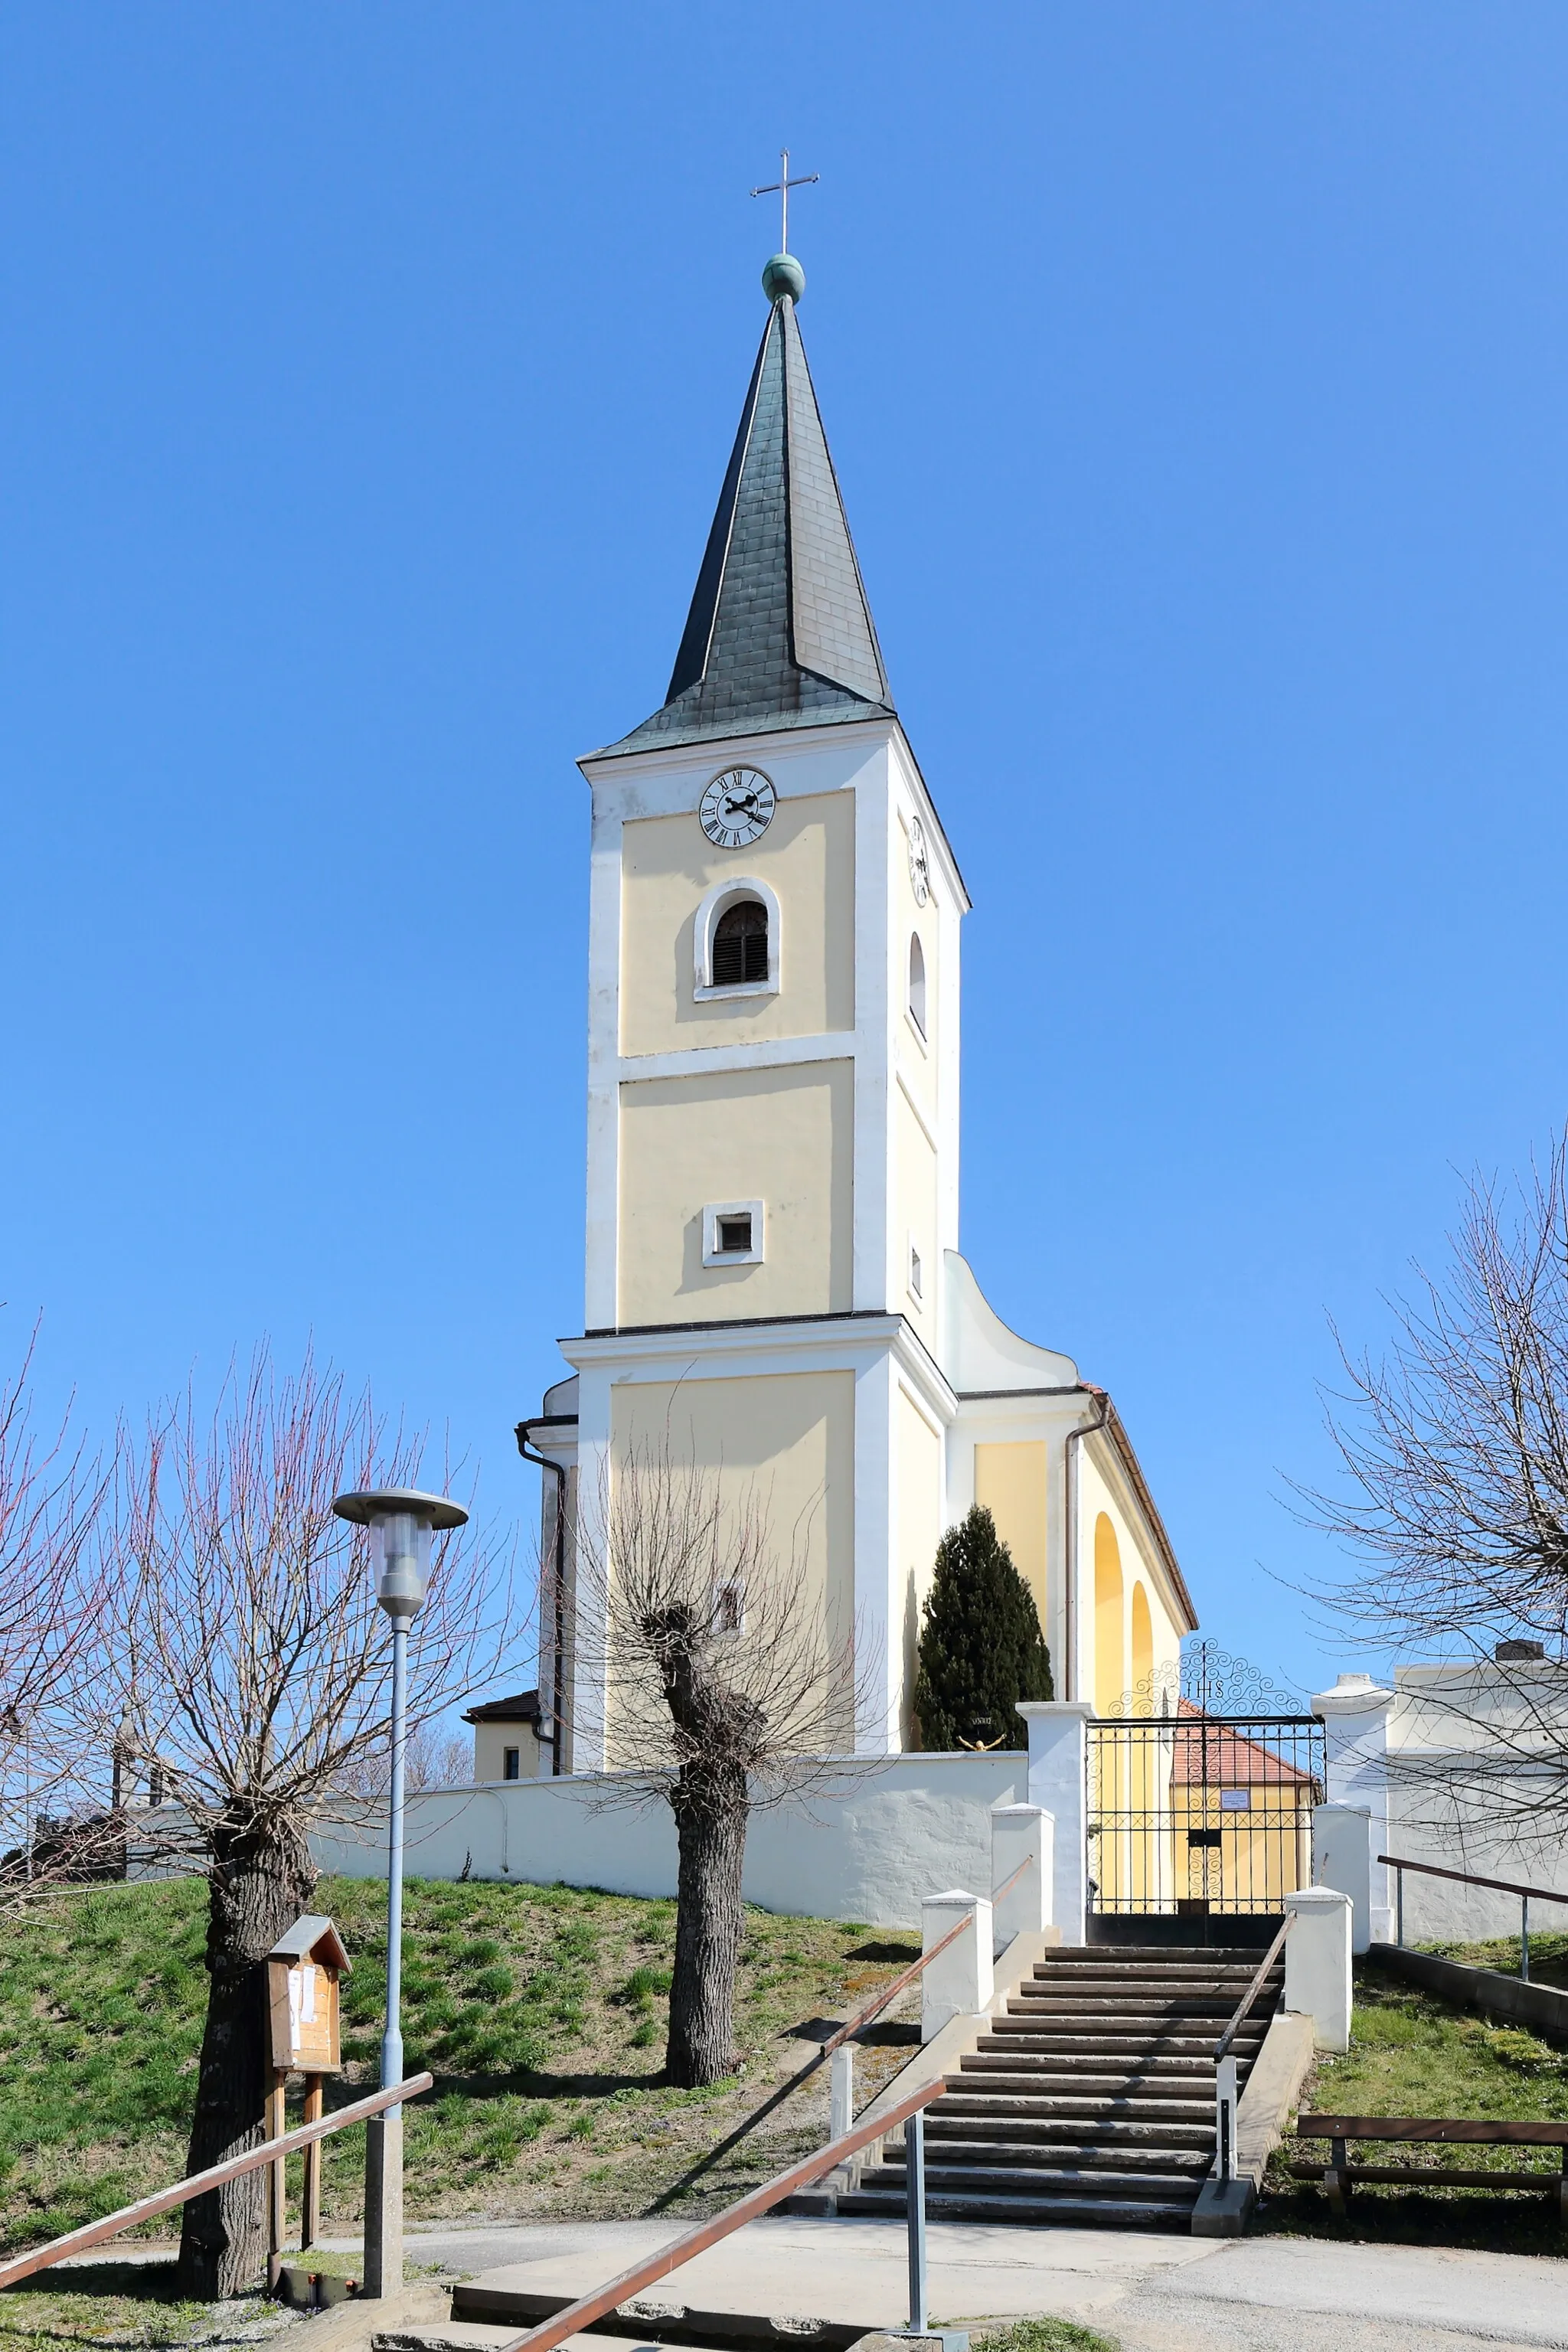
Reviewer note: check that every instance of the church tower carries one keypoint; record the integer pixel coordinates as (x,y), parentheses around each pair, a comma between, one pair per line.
(772,1276)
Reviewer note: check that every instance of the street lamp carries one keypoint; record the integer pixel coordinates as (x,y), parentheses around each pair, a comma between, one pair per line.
(402,1524)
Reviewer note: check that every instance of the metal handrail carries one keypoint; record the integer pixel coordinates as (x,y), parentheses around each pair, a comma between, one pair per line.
(605,2299)
(863,2017)
(146,2208)
(1226,2094)
(1527,1895)
(1222,2046)
(1503,1885)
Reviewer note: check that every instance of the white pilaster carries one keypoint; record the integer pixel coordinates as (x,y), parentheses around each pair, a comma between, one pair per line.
(1341,1859)
(600,1310)
(873,1040)
(960,1982)
(1058,1781)
(1317,1963)
(878,1633)
(1021,1840)
(1355,1723)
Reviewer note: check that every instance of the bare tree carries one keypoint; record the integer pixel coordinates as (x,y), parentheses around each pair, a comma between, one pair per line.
(52,1612)
(723,1686)
(1455,1505)
(251,1677)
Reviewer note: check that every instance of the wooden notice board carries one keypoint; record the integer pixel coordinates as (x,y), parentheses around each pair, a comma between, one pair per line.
(302,1973)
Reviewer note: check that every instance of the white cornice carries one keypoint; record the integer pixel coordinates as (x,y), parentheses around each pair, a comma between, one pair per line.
(777,743)
(828,1343)
(756,1053)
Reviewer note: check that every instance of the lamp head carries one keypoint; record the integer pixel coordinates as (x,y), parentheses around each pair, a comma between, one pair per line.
(402,1524)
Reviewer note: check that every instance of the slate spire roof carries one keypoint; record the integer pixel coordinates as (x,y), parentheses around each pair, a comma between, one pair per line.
(780,633)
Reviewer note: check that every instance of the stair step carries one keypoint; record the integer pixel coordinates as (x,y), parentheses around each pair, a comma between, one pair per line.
(1065,2212)
(1193,2017)
(1188,1956)
(1032,2118)
(1091,2104)
(1115,1975)
(1068,2026)
(1036,2180)
(1014,2057)
(1026,2156)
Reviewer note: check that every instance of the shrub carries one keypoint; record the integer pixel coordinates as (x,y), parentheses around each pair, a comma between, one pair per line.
(981,1649)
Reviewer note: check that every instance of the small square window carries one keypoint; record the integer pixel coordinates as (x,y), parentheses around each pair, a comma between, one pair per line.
(511,1763)
(733,1232)
(916,1274)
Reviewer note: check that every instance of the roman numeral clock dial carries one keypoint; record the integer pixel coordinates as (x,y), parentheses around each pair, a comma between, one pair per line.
(737,807)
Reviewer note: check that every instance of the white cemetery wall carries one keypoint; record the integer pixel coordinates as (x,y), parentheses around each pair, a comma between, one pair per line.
(869,1847)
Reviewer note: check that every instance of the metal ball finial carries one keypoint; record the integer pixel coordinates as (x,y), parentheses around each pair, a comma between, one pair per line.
(783,274)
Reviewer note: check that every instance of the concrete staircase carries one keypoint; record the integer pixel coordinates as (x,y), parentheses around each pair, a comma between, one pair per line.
(1091,2102)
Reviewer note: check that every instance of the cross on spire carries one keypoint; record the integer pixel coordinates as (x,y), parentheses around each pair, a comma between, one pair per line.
(780,188)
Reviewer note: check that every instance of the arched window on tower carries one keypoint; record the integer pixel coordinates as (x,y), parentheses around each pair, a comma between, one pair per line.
(918,983)
(741,944)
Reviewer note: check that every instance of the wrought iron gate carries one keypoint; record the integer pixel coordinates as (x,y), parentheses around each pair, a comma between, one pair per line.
(1196,1807)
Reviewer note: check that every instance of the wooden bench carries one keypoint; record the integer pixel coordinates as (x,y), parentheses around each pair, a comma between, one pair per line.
(1338,2175)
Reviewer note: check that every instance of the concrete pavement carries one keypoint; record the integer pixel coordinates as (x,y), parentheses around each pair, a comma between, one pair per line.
(1154,2294)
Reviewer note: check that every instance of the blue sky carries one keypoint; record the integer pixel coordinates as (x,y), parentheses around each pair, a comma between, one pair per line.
(1196,376)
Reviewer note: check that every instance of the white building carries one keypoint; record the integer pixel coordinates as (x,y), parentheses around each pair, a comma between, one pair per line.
(1457,1766)
(773,1276)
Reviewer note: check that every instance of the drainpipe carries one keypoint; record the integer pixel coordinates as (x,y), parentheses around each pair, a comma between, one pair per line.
(558,1649)
(1086,1429)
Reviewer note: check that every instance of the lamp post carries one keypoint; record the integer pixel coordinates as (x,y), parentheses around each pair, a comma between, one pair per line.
(402,1524)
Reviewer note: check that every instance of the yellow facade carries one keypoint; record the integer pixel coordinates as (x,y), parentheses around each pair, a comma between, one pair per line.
(1142,1639)
(806,858)
(784,1137)
(1010,1481)
(787,1440)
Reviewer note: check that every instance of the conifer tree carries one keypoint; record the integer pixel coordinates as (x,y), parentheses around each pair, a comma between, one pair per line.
(981,1648)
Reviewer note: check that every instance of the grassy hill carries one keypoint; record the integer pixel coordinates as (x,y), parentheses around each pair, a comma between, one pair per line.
(540,2011)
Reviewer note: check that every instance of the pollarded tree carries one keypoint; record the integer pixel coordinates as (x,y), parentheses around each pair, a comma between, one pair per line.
(249,1679)
(981,1648)
(724,1687)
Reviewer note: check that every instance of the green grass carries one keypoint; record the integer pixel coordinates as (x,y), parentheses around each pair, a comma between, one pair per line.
(1548,1957)
(1043,2335)
(127,2308)
(1411,2054)
(540,2011)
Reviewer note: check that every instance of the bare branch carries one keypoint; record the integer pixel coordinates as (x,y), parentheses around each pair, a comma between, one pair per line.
(1455,1501)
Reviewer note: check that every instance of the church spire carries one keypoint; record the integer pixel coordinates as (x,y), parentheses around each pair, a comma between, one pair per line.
(780,633)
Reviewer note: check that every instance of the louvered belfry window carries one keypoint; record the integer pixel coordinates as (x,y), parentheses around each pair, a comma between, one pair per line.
(741,944)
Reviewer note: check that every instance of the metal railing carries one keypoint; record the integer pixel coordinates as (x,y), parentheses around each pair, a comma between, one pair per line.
(1226,2094)
(588,2308)
(842,2105)
(147,2209)
(909,2111)
(1527,1895)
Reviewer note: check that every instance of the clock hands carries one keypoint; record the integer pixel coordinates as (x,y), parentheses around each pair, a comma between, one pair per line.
(746,801)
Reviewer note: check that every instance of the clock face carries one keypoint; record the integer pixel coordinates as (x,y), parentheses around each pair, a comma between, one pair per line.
(736,807)
(919,862)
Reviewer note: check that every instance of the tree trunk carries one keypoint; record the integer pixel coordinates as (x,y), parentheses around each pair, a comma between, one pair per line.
(710,1821)
(259,1883)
